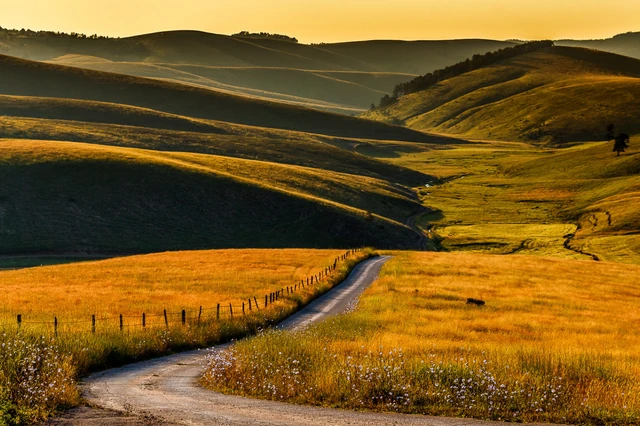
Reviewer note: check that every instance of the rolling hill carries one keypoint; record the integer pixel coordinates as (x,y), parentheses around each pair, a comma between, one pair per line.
(627,44)
(85,198)
(555,95)
(20,77)
(216,50)
(346,92)
(340,77)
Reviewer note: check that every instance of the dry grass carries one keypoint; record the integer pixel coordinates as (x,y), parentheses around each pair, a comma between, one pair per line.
(555,342)
(38,374)
(151,283)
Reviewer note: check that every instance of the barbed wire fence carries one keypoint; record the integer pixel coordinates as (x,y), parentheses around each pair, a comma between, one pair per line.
(165,319)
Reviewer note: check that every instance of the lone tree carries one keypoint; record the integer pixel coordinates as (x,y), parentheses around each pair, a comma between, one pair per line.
(611,132)
(622,143)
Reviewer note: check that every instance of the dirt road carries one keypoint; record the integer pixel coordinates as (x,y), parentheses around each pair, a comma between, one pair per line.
(164,391)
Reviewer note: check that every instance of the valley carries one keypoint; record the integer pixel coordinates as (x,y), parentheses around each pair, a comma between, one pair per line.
(182,189)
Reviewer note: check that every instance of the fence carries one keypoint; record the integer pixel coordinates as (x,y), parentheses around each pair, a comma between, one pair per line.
(226,311)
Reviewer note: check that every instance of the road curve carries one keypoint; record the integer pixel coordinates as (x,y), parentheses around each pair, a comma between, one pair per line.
(164,391)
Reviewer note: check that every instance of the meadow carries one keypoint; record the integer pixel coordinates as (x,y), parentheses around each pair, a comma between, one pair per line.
(555,342)
(40,367)
(573,202)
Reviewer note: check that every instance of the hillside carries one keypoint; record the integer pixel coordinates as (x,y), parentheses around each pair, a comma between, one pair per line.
(341,77)
(347,92)
(20,77)
(216,50)
(623,44)
(84,198)
(556,95)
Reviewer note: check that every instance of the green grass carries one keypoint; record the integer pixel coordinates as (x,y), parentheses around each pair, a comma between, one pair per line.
(508,197)
(85,198)
(556,95)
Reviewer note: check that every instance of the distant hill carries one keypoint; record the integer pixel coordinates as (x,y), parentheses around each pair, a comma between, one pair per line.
(339,77)
(20,77)
(623,44)
(556,95)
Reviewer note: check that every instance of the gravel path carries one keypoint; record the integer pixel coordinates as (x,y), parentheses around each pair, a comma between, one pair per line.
(164,391)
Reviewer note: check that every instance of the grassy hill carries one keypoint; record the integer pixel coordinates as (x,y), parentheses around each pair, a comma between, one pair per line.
(341,77)
(19,77)
(346,92)
(623,44)
(558,95)
(84,198)
(215,50)
(278,146)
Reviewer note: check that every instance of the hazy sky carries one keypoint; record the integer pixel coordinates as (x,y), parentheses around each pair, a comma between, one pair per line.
(334,20)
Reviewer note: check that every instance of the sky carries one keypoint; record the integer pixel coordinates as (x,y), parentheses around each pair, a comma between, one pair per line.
(313,21)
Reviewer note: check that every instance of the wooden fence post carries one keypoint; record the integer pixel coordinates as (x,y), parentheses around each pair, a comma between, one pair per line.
(184,317)
(249,304)
(144,320)
(55,326)
(199,314)
(121,323)
(242,308)
(166,320)
(19,320)
(218,312)
(231,310)
(266,301)
(256,300)
(93,324)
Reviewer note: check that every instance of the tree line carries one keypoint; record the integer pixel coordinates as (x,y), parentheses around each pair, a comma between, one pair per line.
(5,32)
(476,62)
(280,37)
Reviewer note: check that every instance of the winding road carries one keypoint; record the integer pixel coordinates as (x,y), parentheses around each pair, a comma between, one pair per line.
(165,391)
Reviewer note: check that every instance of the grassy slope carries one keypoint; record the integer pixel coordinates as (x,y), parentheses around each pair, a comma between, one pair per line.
(602,193)
(347,92)
(343,77)
(27,78)
(87,198)
(622,44)
(509,197)
(199,48)
(560,95)
(236,141)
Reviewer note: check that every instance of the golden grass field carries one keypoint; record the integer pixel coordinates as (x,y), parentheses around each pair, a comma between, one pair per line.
(556,342)
(131,286)
(151,283)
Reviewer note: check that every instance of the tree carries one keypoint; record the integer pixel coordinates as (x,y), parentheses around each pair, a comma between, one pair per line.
(611,132)
(372,107)
(622,143)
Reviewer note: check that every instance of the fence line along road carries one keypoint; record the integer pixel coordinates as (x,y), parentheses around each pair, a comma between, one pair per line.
(200,315)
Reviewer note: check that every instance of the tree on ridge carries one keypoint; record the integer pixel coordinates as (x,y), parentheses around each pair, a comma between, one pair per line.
(621,143)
